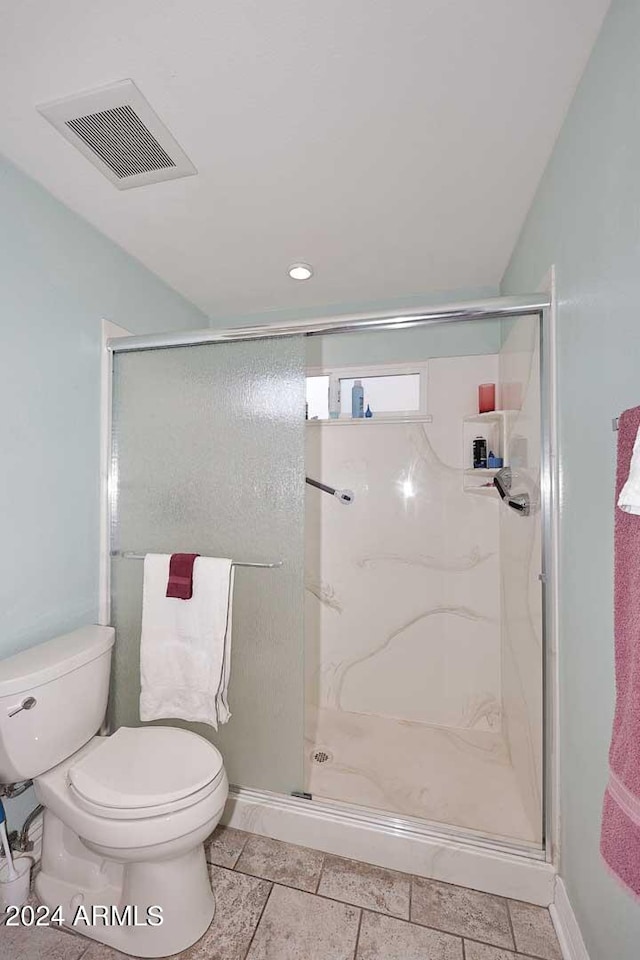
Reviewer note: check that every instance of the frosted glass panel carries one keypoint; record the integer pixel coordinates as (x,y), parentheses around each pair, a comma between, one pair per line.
(209,458)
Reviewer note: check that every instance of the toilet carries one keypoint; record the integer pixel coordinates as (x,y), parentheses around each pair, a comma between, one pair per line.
(125,815)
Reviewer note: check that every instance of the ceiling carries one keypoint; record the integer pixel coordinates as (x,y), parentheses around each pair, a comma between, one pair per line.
(394,144)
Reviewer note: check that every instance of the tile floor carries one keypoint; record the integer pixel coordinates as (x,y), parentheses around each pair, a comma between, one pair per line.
(276,901)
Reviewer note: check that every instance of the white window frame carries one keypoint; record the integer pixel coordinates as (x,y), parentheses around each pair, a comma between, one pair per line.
(336,374)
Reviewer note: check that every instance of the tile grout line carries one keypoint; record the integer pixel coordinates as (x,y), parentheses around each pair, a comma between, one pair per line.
(345,903)
(274,883)
(382,913)
(392,916)
(460,936)
(362,910)
(411,877)
(516,953)
(402,873)
(255,929)
(280,883)
(241,851)
(324,860)
(209,842)
(511,927)
(360,919)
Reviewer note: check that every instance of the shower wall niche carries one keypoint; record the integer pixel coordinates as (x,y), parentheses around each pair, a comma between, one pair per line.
(414,705)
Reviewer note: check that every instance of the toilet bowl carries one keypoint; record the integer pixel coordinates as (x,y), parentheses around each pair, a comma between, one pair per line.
(140,819)
(125,816)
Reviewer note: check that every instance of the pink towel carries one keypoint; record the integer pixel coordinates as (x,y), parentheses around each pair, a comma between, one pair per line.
(620,838)
(180,583)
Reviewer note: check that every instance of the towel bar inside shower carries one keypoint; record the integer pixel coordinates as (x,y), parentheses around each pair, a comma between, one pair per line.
(127,555)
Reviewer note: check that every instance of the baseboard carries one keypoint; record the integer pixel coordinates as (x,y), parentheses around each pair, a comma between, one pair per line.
(567,929)
(388,842)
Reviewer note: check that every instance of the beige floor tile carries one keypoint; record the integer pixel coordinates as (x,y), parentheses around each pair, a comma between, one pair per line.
(366,886)
(300,926)
(239,904)
(39,943)
(224,846)
(98,951)
(385,938)
(467,913)
(285,863)
(534,931)
(480,951)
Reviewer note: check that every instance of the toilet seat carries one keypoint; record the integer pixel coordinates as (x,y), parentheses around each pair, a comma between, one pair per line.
(142,772)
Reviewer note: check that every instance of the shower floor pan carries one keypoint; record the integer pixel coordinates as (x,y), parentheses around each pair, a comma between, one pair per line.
(462,778)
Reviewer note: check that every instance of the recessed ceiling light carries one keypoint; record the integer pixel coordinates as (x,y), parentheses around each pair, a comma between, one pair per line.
(300,271)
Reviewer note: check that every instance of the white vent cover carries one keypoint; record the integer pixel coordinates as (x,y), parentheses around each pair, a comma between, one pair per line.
(116,129)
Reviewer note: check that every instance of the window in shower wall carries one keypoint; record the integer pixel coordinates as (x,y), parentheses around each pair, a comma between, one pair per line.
(208,458)
(391,391)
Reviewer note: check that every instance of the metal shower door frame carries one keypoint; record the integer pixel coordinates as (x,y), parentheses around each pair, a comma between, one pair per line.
(538,304)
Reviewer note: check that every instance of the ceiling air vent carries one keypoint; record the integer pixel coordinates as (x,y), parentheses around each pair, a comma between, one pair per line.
(116,129)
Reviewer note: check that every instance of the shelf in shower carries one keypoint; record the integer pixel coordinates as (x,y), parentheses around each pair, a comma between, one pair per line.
(361,421)
(497,425)
(494,416)
(481,471)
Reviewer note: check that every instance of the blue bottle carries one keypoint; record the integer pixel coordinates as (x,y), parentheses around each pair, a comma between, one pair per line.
(369,412)
(357,399)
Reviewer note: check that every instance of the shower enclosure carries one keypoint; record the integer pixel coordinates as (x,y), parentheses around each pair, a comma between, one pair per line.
(388,661)
(423,617)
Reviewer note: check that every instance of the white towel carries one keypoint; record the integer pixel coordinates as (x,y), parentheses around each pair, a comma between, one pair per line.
(185,647)
(629,499)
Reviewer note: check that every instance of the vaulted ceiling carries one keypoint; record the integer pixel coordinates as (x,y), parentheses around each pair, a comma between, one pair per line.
(394,144)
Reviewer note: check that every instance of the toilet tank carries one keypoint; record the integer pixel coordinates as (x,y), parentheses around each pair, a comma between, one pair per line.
(68,678)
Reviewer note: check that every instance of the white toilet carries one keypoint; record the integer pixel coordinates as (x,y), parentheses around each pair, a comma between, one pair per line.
(125,815)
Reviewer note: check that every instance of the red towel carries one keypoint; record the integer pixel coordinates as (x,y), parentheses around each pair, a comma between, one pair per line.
(620,838)
(180,583)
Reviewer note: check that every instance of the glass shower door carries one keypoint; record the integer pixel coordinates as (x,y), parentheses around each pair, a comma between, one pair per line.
(208,457)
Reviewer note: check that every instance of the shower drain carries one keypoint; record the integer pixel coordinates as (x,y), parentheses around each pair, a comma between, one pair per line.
(321,756)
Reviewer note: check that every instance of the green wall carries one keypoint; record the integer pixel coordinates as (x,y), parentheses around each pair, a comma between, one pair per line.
(585,220)
(58,278)
(389,346)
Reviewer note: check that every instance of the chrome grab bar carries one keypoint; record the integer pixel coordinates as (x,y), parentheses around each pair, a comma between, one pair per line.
(344,496)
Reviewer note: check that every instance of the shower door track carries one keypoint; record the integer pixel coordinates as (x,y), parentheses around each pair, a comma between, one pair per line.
(398,824)
(491,309)
(538,304)
(413,846)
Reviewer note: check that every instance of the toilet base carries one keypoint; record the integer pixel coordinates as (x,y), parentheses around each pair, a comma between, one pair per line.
(80,881)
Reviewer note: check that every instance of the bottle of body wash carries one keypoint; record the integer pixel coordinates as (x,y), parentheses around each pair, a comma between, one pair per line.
(357,399)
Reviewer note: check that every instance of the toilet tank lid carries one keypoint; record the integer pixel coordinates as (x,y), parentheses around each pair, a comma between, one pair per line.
(54,658)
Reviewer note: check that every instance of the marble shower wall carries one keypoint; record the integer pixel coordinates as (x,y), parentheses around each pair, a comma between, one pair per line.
(520,551)
(403,611)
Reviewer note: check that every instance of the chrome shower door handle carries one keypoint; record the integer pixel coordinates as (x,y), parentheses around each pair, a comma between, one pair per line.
(521,502)
(27,704)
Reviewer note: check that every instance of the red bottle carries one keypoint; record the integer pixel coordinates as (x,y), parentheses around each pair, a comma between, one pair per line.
(486,397)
